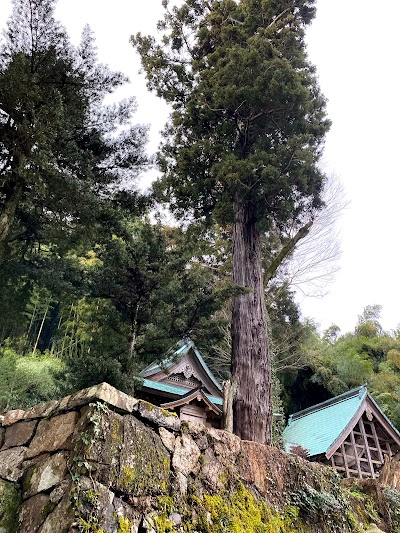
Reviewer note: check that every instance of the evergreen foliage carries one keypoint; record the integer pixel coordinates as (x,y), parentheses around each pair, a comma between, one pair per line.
(147,291)
(242,148)
(337,364)
(62,151)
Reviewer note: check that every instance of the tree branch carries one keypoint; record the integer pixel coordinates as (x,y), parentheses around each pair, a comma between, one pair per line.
(285,251)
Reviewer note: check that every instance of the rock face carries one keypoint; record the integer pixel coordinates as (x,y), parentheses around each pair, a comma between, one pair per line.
(9,506)
(101,461)
(144,461)
(11,463)
(19,434)
(45,474)
(186,455)
(53,434)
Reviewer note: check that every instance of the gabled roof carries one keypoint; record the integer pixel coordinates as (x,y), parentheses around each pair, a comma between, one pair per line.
(195,394)
(150,385)
(321,428)
(187,349)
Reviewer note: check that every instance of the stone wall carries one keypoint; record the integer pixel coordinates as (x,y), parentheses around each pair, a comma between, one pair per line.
(103,462)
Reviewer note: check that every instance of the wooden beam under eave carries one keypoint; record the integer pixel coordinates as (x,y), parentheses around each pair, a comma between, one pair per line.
(384,422)
(346,466)
(353,442)
(364,436)
(377,443)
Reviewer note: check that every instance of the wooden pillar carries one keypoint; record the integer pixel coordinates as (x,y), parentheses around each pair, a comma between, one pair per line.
(368,453)
(389,449)
(377,443)
(346,466)
(353,442)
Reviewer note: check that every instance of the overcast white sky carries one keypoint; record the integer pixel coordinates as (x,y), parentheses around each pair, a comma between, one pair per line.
(354,45)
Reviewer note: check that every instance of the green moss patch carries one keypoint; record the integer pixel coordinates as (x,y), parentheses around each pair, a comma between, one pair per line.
(241,511)
(10,501)
(145,463)
(233,511)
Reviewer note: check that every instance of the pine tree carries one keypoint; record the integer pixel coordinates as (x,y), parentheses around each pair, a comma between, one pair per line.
(242,148)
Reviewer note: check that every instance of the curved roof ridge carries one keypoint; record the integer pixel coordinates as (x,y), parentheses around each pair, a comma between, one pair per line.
(205,367)
(179,391)
(191,395)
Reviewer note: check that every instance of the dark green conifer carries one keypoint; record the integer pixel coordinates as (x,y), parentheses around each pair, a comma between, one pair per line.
(62,151)
(242,148)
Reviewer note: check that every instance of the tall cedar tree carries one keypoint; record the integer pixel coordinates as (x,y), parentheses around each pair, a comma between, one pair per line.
(62,151)
(242,148)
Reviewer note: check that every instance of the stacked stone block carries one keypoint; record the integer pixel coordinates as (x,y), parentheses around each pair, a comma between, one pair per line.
(100,461)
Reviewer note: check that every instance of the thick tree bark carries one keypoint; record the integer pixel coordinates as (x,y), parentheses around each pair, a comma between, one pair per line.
(251,365)
(7,217)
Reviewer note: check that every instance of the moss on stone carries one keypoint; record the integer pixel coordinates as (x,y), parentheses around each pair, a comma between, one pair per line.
(47,509)
(116,431)
(136,481)
(241,511)
(10,501)
(151,407)
(124,525)
(224,477)
(145,463)
(233,511)
(129,480)
(166,504)
(168,413)
(27,480)
(87,527)
(163,524)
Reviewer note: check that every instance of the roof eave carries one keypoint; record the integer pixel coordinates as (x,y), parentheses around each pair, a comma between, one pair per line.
(187,398)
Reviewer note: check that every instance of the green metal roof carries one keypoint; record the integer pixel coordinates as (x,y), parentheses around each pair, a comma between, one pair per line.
(179,391)
(317,427)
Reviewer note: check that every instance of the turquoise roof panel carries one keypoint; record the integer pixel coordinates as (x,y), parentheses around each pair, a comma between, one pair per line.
(164,387)
(317,427)
(215,399)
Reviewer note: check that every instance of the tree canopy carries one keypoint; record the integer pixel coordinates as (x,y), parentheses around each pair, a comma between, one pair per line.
(242,148)
(93,288)
(62,151)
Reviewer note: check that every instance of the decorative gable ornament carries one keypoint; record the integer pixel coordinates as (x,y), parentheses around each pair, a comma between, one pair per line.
(184,383)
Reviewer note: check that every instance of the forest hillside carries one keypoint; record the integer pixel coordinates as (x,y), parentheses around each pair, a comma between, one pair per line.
(95,283)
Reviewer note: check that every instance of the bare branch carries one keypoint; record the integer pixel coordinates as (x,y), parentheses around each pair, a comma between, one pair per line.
(313,261)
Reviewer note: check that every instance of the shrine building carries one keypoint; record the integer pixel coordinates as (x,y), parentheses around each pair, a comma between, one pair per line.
(183,383)
(349,432)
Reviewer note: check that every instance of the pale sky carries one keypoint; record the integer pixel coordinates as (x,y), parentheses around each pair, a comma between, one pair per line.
(354,45)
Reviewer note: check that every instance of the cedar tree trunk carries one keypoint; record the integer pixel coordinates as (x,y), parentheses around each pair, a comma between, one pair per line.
(7,219)
(251,366)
